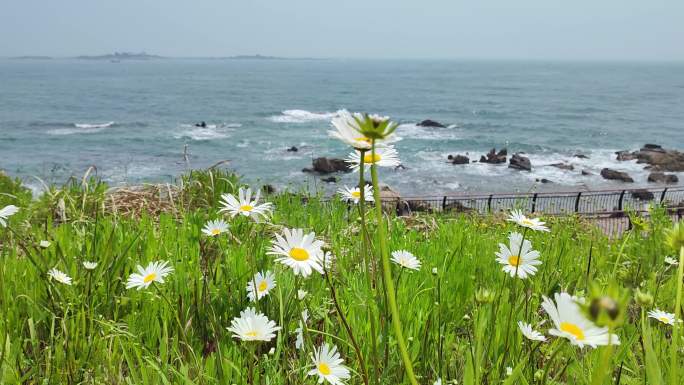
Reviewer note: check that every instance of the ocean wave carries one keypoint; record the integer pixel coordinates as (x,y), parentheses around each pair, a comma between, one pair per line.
(93,125)
(414,131)
(210,132)
(80,128)
(302,116)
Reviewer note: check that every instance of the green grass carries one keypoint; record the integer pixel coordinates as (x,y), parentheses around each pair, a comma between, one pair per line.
(98,332)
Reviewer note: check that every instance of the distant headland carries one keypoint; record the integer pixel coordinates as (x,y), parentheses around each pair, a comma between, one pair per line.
(117,56)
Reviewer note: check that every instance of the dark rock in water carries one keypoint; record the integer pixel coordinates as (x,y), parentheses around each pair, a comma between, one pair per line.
(520,162)
(661,177)
(563,166)
(325,165)
(543,180)
(458,159)
(608,173)
(586,172)
(268,189)
(625,155)
(649,146)
(494,157)
(330,179)
(581,156)
(642,195)
(430,123)
(292,149)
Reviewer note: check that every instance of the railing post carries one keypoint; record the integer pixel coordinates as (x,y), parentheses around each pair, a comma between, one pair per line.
(662,196)
(577,201)
(534,202)
(622,196)
(444,203)
(489,202)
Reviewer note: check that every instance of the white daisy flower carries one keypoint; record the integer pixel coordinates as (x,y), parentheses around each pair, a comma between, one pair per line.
(244,205)
(384,157)
(570,323)
(59,276)
(522,265)
(531,223)
(299,341)
(347,130)
(671,261)
(7,212)
(509,370)
(354,194)
(214,228)
(300,252)
(89,265)
(260,285)
(154,272)
(328,365)
(44,244)
(438,381)
(301,294)
(253,326)
(530,333)
(664,317)
(405,259)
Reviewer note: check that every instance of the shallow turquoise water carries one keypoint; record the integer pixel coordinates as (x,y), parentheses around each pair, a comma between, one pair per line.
(55,117)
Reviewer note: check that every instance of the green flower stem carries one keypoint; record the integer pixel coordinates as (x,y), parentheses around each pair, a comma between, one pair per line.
(674,364)
(604,367)
(387,274)
(366,263)
(550,361)
(514,282)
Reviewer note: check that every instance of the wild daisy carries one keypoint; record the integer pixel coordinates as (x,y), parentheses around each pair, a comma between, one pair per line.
(354,194)
(664,317)
(384,157)
(347,129)
(300,252)
(328,365)
(405,259)
(531,223)
(301,294)
(299,341)
(570,323)
(89,265)
(438,381)
(154,272)
(671,261)
(7,212)
(59,276)
(253,326)
(214,228)
(44,244)
(244,205)
(529,333)
(260,285)
(517,261)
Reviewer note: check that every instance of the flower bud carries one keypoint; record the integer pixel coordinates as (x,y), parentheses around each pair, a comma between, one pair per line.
(643,299)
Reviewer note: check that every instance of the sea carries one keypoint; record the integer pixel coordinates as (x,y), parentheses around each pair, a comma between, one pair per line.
(134,120)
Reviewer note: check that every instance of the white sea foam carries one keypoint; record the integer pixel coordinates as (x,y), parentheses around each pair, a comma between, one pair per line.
(302,116)
(414,131)
(93,125)
(210,132)
(81,128)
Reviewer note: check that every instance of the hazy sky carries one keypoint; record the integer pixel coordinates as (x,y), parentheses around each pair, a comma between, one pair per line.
(516,29)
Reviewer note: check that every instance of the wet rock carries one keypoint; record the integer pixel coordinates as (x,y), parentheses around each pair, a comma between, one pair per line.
(657,158)
(330,179)
(520,162)
(625,155)
(543,180)
(642,195)
(587,172)
(563,166)
(292,149)
(611,174)
(387,193)
(581,156)
(661,177)
(458,159)
(495,157)
(268,189)
(430,123)
(325,165)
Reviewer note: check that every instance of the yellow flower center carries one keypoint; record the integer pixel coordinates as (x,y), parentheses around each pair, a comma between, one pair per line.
(299,254)
(664,319)
(150,277)
(527,222)
(262,286)
(514,260)
(369,158)
(246,208)
(251,334)
(215,231)
(324,369)
(356,194)
(572,329)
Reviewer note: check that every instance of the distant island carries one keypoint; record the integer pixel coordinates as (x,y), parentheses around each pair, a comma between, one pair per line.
(31,57)
(118,56)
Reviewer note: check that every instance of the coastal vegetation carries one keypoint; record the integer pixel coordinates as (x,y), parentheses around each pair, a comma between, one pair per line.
(209,281)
